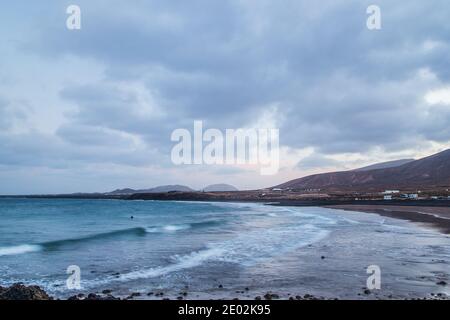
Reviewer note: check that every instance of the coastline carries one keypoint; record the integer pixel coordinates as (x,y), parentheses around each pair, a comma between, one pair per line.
(437,218)
(20,292)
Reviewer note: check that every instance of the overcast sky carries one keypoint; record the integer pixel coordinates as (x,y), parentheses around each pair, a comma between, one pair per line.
(93,109)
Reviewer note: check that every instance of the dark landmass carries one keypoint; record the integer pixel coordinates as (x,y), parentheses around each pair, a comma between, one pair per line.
(384,165)
(159,189)
(284,198)
(432,172)
(221,187)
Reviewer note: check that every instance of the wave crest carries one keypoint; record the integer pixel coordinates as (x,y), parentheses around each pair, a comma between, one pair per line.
(20,249)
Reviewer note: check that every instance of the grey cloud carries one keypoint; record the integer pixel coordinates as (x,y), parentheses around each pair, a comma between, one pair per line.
(92,135)
(46,150)
(222,70)
(4,120)
(339,87)
(316,160)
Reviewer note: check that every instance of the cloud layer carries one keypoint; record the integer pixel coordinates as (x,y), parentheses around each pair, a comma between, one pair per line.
(109,95)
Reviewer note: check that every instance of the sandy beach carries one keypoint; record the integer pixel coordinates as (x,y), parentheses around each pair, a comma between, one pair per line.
(435,217)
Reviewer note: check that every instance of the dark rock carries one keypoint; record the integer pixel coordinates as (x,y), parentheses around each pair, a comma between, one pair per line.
(258,298)
(107,291)
(367,291)
(135,294)
(93,296)
(270,296)
(19,291)
(180,298)
(322,257)
(441,283)
(220,286)
(150,293)
(96,297)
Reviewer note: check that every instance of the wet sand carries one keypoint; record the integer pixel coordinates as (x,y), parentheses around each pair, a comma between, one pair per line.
(435,217)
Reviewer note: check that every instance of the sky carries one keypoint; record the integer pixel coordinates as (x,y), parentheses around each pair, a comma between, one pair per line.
(93,109)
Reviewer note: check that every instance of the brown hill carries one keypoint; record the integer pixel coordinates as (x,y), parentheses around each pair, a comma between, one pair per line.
(432,172)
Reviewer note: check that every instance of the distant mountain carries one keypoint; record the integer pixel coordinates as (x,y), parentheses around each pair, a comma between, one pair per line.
(427,173)
(171,188)
(220,187)
(122,191)
(160,189)
(385,165)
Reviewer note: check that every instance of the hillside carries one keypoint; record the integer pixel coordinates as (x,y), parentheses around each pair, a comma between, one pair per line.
(168,188)
(432,172)
(222,187)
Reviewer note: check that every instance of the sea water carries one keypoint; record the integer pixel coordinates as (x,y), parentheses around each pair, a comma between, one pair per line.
(215,250)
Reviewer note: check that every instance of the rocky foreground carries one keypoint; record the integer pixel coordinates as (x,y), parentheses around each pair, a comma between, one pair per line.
(19,291)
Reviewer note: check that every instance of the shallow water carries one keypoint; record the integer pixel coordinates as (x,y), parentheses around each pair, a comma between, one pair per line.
(195,247)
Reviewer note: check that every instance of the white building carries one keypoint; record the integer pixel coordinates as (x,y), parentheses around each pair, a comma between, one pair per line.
(387,197)
(391,191)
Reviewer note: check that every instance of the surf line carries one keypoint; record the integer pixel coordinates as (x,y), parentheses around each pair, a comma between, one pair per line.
(198,311)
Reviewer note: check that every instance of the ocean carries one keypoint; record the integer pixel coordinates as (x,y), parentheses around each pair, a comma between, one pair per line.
(215,250)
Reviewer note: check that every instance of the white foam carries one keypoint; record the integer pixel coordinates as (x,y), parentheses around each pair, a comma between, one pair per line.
(20,249)
(191,260)
(168,228)
(247,249)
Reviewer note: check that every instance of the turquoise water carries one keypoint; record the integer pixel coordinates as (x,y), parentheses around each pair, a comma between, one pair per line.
(142,246)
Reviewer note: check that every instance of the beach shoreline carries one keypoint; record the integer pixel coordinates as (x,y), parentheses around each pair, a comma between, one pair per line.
(437,218)
(19,291)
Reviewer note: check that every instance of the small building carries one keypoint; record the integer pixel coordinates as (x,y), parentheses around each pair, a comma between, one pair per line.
(391,191)
(413,196)
(387,197)
(277,189)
